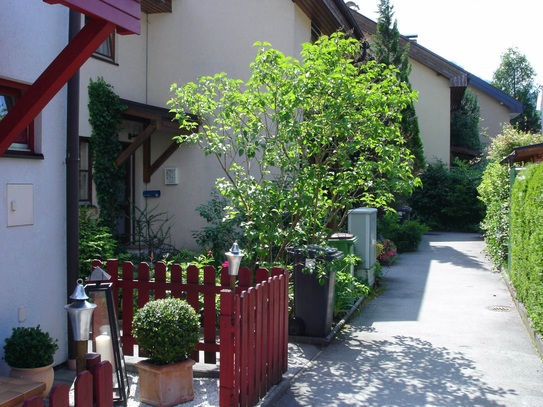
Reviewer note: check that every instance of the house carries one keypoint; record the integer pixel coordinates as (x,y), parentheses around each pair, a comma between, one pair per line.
(441,85)
(181,41)
(35,161)
(178,45)
(178,41)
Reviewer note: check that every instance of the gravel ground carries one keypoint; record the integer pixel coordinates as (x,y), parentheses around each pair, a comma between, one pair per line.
(206,392)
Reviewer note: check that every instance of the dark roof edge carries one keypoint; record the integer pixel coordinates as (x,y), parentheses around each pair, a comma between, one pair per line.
(515,107)
(446,67)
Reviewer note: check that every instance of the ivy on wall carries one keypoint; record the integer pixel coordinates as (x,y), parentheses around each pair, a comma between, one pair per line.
(105,113)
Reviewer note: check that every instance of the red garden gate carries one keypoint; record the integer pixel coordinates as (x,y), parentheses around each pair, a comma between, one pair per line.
(253,334)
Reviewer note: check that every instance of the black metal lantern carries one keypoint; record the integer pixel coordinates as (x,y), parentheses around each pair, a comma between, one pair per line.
(105,334)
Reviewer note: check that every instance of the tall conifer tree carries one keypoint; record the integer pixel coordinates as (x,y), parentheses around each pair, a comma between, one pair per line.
(386,49)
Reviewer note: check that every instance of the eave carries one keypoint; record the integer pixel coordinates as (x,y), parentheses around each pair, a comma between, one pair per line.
(459,79)
(330,16)
(156,6)
(154,119)
(106,16)
(532,153)
(515,107)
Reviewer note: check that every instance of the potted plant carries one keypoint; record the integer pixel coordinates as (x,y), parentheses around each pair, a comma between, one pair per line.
(29,352)
(168,330)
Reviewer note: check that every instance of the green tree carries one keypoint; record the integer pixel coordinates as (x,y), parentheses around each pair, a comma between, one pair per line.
(516,77)
(449,199)
(465,123)
(105,117)
(386,49)
(301,143)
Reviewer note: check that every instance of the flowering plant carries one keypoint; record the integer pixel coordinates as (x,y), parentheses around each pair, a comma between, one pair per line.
(387,253)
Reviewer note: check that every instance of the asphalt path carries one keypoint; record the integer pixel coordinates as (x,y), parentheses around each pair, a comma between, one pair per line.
(444,331)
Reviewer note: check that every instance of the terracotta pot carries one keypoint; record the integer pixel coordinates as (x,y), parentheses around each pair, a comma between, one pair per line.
(45,374)
(167,385)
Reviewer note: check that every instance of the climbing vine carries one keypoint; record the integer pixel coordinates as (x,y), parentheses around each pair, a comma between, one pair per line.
(105,110)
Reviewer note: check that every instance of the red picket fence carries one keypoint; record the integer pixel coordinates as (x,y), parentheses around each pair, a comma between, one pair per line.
(253,346)
(90,390)
(254,341)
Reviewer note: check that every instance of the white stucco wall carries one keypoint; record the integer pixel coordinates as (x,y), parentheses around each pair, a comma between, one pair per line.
(211,37)
(33,266)
(493,114)
(433,111)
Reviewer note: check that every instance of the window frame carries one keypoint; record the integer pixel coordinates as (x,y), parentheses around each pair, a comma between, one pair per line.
(99,52)
(88,171)
(26,146)
(108,57)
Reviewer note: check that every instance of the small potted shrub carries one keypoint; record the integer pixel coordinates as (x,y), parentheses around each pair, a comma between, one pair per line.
(168,330)
(30,354)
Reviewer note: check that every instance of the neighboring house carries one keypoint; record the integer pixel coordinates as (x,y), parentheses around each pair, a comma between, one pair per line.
(180,42)
(441,86)
(36,61)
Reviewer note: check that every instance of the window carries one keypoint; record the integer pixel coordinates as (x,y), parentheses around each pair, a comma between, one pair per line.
(10,92)
(85,171)
(106,51)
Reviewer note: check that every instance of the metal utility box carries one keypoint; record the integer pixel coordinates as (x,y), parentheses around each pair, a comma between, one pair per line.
(362,222)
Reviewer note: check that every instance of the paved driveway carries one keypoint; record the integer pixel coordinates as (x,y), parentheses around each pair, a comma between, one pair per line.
(444,332)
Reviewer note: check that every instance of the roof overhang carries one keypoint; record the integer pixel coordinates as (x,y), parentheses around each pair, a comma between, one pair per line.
(515,107)
(532,153)
(153,119)
(330,16)
(156,6)
(106,16)
(125,14)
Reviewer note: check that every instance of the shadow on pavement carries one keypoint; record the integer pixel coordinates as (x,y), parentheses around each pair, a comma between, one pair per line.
(403,371)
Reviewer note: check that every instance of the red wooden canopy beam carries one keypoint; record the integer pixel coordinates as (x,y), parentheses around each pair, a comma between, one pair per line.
(66,64)
(125,14)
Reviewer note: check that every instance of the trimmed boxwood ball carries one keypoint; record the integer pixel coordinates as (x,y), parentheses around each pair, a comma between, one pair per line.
(168,330)
(29,347)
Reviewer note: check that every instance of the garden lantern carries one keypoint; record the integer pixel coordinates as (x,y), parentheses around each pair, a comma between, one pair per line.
(234,257)
(80,314)
(105,333)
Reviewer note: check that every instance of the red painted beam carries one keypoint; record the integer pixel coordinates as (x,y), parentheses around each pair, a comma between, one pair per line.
(125,14)
(52,80)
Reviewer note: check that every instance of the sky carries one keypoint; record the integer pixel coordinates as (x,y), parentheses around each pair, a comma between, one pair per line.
(472,34)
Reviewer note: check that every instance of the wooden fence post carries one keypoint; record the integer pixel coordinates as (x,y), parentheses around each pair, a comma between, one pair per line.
(103,384)
(226,374)
(59,396)
(83,390)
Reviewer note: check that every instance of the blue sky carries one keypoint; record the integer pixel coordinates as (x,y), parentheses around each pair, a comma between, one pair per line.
(471,33)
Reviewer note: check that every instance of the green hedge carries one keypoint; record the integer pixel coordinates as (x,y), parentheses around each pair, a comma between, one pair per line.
(526,271)
(448,199)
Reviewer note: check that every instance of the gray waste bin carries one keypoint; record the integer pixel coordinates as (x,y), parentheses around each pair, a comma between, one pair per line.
(313,301)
